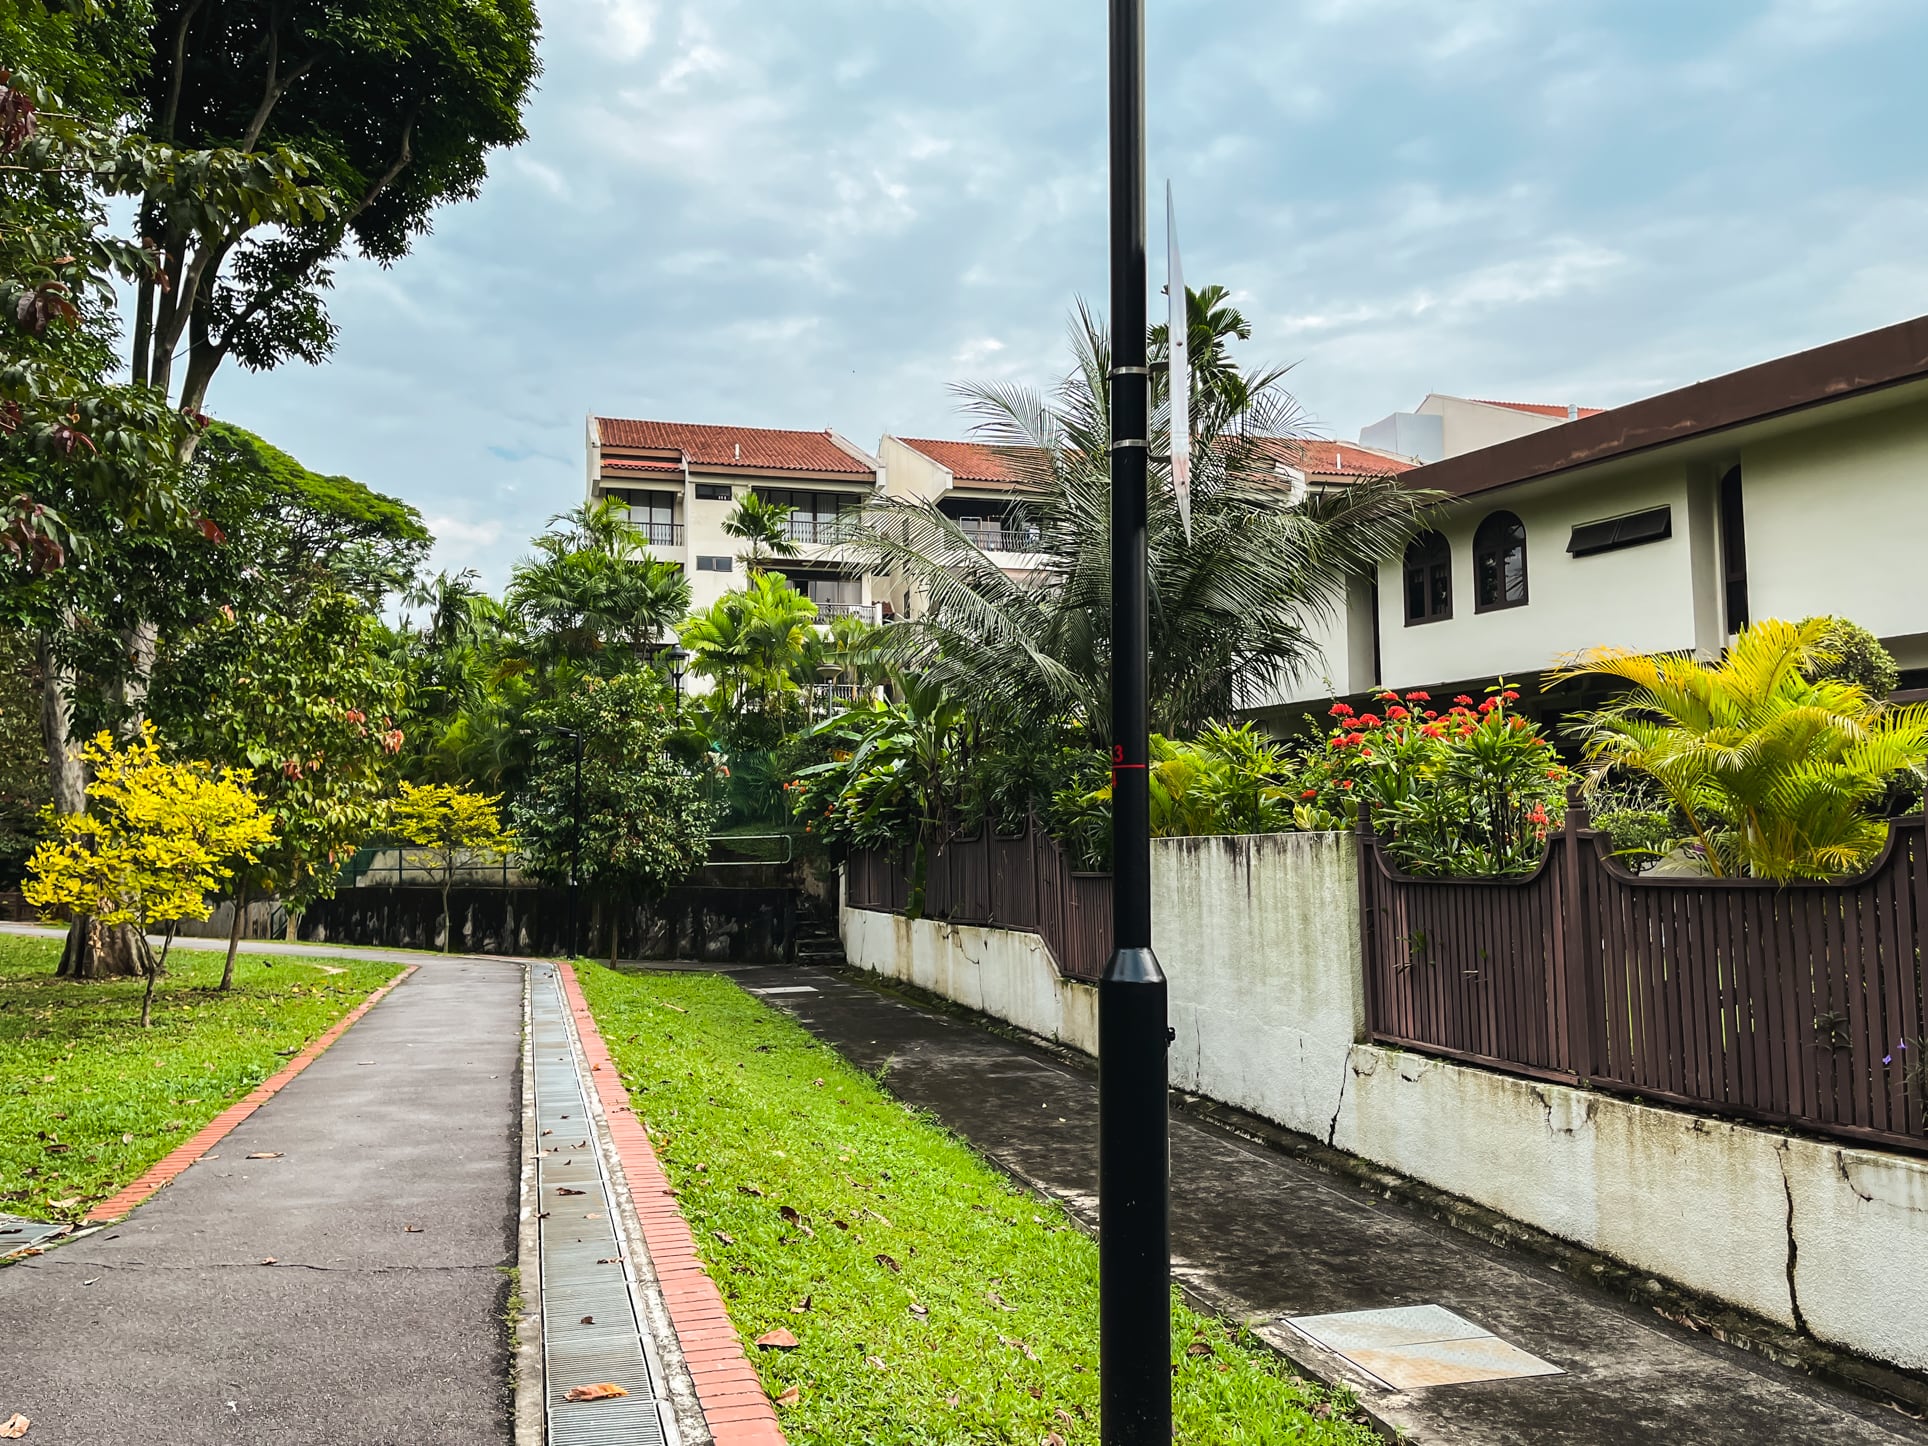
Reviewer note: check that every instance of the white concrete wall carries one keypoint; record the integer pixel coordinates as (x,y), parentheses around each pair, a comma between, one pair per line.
(1836,520)
(1259,937)
(1466,426)
(1638,597)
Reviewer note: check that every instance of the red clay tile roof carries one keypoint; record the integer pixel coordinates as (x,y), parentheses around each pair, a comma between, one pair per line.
(642,464)
(1318,458)
(1538,409)
(733,446)
(972,461)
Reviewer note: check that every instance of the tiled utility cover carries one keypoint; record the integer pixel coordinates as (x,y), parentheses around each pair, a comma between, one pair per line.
(1413,1347)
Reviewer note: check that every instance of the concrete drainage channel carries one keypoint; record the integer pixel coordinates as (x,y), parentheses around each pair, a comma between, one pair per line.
(595,1309)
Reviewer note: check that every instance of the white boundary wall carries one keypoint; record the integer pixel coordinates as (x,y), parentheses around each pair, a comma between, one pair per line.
(1259,937)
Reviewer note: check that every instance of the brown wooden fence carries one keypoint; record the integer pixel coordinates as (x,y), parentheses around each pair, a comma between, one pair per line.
(1023,881)
(1798,1004)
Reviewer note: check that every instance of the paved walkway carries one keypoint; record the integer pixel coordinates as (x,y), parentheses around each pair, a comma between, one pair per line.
(351,1289)
(1262,1235)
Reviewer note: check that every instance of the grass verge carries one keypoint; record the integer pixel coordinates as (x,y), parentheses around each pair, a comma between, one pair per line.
(932,1301)
(89,1099)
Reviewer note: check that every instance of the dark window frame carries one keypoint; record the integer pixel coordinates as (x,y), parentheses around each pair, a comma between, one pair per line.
(1429,562)
(1487,545)
(707,563)
(1733,552)
(715,492)
(1615,534)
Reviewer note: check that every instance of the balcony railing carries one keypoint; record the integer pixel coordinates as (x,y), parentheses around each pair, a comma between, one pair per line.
(1004,539)
(872,613)
(811,529)
(658,534)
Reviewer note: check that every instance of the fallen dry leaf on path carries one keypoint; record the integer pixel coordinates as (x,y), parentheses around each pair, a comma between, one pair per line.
(876,1363)
(888,1264)
(588,1320)
(677,1007)
(566,1190)
(777,1340)
(1198,1348)
(265,1155)
(801,1306)
(790,1397)
(724,1236)
(267,1260)
(14,1427)
(601,1391)
(411,1230)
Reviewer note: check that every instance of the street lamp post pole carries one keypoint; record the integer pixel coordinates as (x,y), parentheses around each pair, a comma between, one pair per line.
(1134,1239)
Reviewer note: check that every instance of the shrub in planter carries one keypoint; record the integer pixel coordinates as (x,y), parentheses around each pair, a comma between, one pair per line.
(1467,791)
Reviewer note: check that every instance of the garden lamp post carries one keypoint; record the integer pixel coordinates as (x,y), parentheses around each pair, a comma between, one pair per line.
(575,843)
(1134,1239)
(678,662)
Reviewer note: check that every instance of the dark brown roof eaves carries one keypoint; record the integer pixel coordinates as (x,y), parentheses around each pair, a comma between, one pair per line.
(1840,369)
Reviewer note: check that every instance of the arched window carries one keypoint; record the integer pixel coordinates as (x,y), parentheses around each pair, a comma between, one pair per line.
(1499,563)
(1429,579)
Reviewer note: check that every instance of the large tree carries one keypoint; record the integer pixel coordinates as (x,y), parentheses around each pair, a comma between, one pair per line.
(398,102)
(645,814)
(593,595)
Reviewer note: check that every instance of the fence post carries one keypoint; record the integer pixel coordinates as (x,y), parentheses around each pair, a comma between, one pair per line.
(1576,967)
(1368,933)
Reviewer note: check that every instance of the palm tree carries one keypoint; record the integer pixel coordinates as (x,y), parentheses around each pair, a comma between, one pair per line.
(1211,324)
(752,644)
(765,526)
(1229,608)
(1775,771)
(593,585)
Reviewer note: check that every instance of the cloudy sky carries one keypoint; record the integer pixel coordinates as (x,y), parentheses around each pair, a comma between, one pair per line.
(818,213)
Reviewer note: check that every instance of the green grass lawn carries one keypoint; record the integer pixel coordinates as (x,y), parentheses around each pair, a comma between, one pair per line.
(932,1301)
(89,1099)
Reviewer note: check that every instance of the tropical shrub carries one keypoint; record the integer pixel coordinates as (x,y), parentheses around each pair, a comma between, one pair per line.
(456,825)
(1776,770)
(1470,791)
(1851,654)
(154,841)
(1227,781)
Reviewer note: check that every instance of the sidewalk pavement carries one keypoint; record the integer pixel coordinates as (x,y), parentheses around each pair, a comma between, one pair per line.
(348,1288)
(1264,1237)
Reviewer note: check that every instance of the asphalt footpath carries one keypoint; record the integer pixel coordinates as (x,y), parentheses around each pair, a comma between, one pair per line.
(1263,1237)
(348,1286)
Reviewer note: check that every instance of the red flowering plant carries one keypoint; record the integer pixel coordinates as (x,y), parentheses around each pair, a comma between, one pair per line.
(1470,791)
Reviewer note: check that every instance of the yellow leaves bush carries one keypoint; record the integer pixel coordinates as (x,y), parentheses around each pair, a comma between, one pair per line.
(155,840)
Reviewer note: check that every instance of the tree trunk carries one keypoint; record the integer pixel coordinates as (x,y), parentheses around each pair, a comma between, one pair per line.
(139,645)
(234,934)
(615,931)
(448,924)
(56,724)
(152,967)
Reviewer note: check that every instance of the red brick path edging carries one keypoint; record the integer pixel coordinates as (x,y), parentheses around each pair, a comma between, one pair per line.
(210,1134)
(734,1403)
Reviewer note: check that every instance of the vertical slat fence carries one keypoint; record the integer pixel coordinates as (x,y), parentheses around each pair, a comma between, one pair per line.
(1797,1003)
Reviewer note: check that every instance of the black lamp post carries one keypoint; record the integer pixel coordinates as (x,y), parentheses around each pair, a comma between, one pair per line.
(678,662)
(1134,1235)
(575,843)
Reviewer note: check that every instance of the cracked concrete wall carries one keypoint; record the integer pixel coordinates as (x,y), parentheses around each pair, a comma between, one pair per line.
(1813,1235)
(1000,972)
(1260,939)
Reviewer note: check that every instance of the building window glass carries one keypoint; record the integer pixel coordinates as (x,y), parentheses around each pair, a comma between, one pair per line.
(1499,563)
(715,564)
(1429,579)
(714,492)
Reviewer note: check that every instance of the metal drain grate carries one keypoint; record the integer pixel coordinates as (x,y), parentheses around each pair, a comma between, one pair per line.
(18,1233)
(591,1327)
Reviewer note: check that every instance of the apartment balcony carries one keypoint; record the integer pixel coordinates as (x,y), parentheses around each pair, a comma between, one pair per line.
(811,531)
(872,613)
(1003,539)
(659,534)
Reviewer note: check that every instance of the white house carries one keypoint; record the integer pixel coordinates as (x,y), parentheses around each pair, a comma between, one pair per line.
(680,480)
(1793,488)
